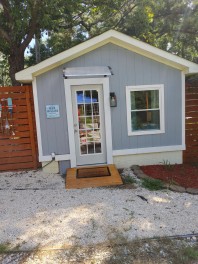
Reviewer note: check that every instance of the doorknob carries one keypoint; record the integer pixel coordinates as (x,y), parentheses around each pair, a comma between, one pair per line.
(75,130)
(75,125)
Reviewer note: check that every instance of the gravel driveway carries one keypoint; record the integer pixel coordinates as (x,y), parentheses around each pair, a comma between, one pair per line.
(36,210)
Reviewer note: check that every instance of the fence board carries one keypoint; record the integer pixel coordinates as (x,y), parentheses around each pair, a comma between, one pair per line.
(17,166)
(13,160)
(15,89)
(10,148)
(191,96)
(191,153)
(192,102)
(5,142)
(18,151)
(22,153)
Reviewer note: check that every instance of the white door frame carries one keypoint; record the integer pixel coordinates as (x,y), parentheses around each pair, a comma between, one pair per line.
(107,115)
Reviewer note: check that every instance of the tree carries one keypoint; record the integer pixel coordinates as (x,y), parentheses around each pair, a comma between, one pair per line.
(171,25)
(4,71)
(83,19)
(19,22)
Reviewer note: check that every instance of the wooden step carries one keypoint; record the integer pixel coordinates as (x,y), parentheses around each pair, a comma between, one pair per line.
(72,182)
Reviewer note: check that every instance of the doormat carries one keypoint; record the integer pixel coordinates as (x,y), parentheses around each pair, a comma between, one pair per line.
(99,176)
(92,172)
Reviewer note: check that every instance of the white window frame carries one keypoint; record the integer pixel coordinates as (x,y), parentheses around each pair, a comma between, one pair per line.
(160,88)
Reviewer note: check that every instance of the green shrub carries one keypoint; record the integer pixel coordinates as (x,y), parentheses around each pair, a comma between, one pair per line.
(152,184)
(128,180)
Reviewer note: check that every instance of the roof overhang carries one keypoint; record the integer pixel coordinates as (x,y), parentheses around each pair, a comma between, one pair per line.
(114,37)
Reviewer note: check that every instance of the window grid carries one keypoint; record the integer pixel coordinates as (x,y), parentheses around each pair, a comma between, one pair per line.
(160,109)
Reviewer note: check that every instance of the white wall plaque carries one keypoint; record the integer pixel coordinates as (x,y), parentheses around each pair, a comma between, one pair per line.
(52,111)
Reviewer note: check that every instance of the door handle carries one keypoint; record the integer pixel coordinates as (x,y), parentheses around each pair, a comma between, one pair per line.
(75,130)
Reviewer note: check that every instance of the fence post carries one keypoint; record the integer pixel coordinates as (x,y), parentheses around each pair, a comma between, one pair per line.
(30,118)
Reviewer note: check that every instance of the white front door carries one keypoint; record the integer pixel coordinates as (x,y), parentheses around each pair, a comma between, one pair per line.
(89,124)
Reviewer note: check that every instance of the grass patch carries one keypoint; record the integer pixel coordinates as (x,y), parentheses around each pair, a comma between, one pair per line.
(128,180)
(152,184)
(189,253)
(4,248)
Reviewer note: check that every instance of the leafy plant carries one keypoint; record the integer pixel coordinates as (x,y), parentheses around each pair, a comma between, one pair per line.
(167,165)
(128,180)
(152,184)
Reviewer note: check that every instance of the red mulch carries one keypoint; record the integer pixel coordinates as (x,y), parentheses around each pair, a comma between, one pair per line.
(185,175)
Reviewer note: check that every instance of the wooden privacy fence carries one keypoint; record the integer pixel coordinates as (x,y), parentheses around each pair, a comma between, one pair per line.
(191,152)
(18,144)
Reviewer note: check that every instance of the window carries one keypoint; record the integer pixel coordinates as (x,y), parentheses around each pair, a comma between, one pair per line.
(145,109)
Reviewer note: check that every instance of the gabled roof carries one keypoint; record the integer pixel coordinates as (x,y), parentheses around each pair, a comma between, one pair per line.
(113,37)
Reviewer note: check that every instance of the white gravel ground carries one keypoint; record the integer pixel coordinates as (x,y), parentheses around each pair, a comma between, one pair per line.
(36,210)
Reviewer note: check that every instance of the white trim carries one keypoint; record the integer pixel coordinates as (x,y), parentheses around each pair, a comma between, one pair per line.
(108,132)
(37,117)
(107,114)
(160,88)
(57,157)
(116,38)
(62,157)
(183,109)
(70,122)
(147,150)
(45,158)
(173,157)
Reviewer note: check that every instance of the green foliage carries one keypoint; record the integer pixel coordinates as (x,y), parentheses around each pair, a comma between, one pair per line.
(188,254)
(128,180)
(171,25)
(152,184)
(4,71)
(4,248)
(167,165)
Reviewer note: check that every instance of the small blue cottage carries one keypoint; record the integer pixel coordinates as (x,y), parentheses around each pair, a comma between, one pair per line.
(111,99)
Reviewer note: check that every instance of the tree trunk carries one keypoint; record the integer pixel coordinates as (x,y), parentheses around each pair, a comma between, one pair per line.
(16,64)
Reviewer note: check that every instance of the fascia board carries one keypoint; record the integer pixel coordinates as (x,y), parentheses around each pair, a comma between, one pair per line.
(61,58)
(154,53)
(116,38)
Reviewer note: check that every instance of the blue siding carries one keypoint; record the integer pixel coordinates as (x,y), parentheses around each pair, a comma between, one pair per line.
(54,131)
(129,68)
(63,166)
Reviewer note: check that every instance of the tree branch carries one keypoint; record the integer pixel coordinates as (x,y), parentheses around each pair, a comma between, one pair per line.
(5,35)
(32,28)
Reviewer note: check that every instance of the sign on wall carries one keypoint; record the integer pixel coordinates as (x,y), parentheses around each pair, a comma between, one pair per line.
(52,111)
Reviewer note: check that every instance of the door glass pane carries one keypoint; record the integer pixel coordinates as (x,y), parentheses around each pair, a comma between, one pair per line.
(91,148)
(83,136)
(98,148)
(82,124)
(94,96)
(95,109)
(96,121)
(80,97)
(83,149)
(96,135)
(89,122)
(88,110)
(87,97)
(81,110)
